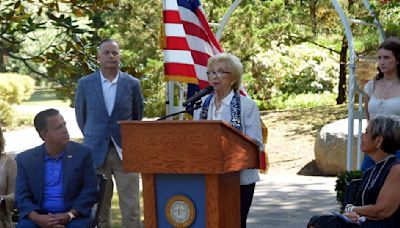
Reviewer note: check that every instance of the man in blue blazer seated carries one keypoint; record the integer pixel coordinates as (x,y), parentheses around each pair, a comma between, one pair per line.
(56,181)
(101,100)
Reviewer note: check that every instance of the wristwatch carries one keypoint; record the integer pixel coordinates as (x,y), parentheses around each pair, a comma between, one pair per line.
(71,215)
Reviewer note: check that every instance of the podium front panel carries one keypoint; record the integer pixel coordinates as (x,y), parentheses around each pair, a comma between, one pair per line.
(190,186)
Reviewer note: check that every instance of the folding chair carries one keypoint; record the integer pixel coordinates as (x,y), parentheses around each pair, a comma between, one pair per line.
(101,182)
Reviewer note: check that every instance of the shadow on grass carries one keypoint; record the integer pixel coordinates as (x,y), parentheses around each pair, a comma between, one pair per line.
(116,213)
(297,129)
(311,169)
(43,95)
(309,121)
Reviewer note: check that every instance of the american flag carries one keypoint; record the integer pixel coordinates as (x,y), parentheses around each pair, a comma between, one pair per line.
(188,42)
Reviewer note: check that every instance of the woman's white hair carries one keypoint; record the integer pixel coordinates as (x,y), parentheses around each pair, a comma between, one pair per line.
(233,64)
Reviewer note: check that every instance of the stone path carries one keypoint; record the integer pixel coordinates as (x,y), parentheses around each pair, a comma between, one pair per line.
(289,201)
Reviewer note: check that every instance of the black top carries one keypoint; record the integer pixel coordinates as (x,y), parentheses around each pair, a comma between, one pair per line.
(371,184)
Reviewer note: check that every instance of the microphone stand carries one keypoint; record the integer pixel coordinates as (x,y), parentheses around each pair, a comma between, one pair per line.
(196,105)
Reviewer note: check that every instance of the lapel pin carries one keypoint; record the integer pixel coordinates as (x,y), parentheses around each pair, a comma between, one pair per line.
(69,156)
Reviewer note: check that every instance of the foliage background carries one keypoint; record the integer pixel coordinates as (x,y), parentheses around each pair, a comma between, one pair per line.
(14,88)
(289,48)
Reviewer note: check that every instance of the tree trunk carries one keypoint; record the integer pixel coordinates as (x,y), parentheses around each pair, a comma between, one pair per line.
(2,61)
(343,65)
(313,14)
(342,72)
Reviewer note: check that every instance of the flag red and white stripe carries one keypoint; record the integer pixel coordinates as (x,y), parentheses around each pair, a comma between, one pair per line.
(189,42)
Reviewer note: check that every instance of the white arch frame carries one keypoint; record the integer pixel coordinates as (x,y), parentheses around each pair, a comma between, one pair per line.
(352,81)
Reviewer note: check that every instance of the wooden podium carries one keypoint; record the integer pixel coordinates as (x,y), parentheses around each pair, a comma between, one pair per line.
(196,160)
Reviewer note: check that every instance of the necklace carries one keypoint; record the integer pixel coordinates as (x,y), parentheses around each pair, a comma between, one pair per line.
(391,83)
(370,183)
(218,105)
(387,85)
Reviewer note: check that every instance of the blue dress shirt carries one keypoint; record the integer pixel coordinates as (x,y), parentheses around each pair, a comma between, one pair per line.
(53,200)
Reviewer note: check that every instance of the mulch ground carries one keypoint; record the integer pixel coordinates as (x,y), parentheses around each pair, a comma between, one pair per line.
(291,137)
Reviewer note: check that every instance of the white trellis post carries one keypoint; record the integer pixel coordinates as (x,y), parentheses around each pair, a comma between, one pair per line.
(352,81)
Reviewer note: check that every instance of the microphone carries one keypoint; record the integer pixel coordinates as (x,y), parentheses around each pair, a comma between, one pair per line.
(198,95)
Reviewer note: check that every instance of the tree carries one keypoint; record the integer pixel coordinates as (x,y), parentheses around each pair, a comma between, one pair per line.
(139,39)
(55,40)
(388,12)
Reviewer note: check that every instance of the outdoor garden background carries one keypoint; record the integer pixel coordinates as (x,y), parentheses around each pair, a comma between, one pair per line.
(294,52)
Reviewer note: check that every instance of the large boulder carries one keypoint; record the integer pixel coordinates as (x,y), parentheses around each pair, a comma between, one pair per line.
(331,147)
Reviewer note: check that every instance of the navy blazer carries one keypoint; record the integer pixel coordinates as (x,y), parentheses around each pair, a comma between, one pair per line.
(92,116)
(79,180)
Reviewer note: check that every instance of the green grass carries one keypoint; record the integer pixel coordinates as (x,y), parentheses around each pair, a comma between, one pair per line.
(23,113)
(299,101)
(45,97)
(115,212)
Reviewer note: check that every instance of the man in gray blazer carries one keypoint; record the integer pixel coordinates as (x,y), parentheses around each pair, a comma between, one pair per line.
(101,100)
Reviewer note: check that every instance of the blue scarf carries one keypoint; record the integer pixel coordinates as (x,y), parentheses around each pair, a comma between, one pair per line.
(234,106)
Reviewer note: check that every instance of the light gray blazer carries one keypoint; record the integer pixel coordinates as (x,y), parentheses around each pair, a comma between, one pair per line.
(251,126)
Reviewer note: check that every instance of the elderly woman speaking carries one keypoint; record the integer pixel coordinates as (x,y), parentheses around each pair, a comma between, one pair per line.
(378,199)
(224,75)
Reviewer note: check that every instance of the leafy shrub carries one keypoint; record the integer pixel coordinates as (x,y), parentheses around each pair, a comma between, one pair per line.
(283,71)
(6,113)
(14,88)
(153,89)
(297,101)
(343,179)
(313,71)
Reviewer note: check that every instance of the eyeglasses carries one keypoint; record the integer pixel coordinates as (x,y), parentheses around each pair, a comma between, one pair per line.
(218,74)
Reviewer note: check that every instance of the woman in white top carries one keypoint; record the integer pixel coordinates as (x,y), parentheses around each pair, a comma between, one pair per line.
(383,93)
(224,74)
